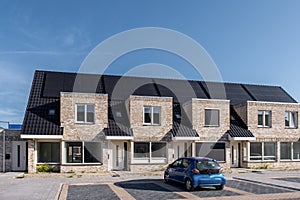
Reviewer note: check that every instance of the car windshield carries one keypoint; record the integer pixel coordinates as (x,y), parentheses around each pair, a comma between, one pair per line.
(207,164)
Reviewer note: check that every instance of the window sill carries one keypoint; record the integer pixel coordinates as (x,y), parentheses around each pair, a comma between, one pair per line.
(212,126)
(82,164)
(289,160)
(48,163)
(260,161)
(291,127)
(84,123)
(264,126)
(151,124)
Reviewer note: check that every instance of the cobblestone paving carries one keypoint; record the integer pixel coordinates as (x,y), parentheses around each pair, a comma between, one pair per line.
(254,188)
(205,192)
(148,191)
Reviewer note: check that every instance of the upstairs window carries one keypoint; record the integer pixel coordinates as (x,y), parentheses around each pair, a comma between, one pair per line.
(151,115)
(264,118)
(291,119)
(212,117)
(85,113)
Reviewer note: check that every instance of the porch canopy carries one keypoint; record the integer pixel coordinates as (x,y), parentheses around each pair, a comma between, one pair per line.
(239,133)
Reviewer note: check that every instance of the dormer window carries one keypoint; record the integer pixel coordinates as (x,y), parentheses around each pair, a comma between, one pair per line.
(51,112)
(264,118)
(84,113)
(118,114)
(151,115)
(212,117)
(178,116)
(291,119)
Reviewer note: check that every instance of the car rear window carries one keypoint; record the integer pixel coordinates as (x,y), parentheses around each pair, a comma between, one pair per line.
(207,164)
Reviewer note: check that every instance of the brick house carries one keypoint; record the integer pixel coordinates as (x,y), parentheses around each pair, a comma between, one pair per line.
(86,122)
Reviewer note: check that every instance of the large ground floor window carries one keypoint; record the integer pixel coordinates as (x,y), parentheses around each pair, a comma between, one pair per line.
(149,152)
(216,151)
(290,150)
(48,152)
(83,152)
(262,151)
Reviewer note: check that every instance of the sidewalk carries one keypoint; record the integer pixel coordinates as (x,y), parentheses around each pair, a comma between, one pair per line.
(273,178)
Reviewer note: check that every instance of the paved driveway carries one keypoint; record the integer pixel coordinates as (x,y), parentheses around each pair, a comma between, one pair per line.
(265,185)
(156,189)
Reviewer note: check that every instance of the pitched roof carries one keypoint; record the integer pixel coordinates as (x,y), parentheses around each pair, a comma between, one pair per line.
(46,88)
(37,120)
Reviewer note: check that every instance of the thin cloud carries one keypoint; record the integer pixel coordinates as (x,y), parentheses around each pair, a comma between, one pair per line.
(55,53)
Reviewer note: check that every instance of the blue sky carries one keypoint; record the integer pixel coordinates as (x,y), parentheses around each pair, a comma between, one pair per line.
(250,41)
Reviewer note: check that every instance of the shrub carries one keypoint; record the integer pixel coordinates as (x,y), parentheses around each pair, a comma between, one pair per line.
(43,168)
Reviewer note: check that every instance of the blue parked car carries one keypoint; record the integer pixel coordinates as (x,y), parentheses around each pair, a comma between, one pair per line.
(196,172)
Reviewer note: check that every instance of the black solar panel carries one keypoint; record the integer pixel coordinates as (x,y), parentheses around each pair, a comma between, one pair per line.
(146,90)
(214,90)
(269,93)
(180,90)
(53,84)
(198,90)
(120,88)
(56,82)
(88,83)
(236,93)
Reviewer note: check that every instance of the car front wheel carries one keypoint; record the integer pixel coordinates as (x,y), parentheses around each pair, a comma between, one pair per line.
(189,185)
(220,187)
(166,177)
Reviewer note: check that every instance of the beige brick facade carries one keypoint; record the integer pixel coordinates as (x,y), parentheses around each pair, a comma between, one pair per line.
(143,132)
(79,131)
(198,113)
(277,132)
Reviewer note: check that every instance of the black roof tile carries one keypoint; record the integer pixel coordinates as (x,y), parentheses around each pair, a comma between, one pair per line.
(237,131)
(46,88)
(117,129)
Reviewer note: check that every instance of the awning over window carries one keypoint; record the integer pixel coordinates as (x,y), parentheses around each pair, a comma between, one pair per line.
(239,133)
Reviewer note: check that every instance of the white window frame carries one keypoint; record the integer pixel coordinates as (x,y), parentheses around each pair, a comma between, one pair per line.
(151,116)
(85,113)
(65,161)
(290,113)
(150,159)
(292,153)
(262,153)
(264,113)
(219,114)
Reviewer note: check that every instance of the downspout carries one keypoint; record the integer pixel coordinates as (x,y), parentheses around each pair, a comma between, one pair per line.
(3,167)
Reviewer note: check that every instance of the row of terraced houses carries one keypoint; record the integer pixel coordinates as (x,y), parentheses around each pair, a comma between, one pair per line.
(85,122)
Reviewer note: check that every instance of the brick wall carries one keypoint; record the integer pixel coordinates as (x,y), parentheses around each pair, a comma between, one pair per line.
(79,132)
(198,113)
(278,131)
(143,132)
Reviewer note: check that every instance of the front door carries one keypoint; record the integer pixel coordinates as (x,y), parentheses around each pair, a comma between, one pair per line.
(18,156)
(118,155)
(235,154)
(182,149)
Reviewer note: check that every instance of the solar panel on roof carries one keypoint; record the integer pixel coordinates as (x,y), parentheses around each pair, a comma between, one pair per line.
(198,90)
(146,90)
(269,93)
(86,83)
(180,90)
(53,84)
(236,94)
